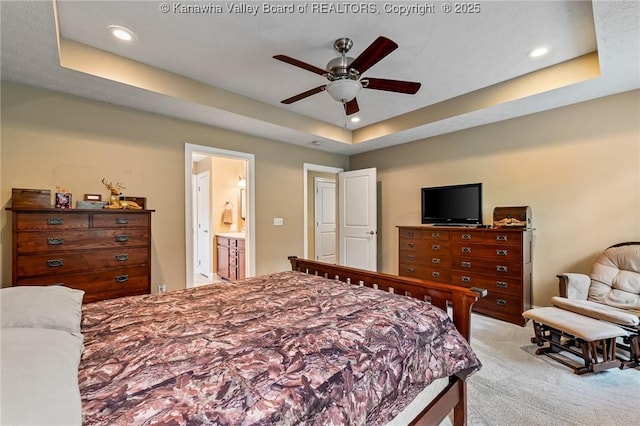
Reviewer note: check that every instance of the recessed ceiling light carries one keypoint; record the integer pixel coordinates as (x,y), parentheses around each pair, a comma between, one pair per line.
(539,51)
(355,119)
(121,33)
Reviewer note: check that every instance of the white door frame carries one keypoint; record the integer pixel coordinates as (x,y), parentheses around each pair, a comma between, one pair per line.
(309,167)
(250,254)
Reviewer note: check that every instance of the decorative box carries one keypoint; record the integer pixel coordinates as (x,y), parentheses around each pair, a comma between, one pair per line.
(22,198)
(90,204)
(512,216)
(141,201)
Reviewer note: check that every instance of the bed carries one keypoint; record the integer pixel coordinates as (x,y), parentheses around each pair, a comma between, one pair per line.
(314,345)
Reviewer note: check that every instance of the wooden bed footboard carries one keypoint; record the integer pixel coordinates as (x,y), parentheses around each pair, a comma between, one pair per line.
(461,299)
(438,294)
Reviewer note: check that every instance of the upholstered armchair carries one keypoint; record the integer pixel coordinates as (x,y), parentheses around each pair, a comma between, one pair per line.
(611,291)
(599,311)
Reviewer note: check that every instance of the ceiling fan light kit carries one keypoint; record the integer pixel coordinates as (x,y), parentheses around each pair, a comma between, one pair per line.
(344,74)
(343,90)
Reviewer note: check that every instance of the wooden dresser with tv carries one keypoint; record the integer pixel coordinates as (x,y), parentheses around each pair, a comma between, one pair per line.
(498,259)
(106,253)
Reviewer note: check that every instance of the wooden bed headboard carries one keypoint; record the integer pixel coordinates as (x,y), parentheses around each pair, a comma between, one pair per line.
(438,294)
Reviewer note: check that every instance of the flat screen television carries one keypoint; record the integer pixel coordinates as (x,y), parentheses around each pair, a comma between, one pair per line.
(452,205)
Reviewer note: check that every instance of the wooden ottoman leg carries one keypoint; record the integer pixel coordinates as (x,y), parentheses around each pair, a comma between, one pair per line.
(538,337)
(590,354)
(634,343)
(631,344)
(553,338)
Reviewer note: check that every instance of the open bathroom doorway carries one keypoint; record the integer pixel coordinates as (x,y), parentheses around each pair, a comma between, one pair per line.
(219,204)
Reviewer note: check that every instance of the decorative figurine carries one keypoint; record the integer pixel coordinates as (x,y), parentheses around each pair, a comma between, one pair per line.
(114,199)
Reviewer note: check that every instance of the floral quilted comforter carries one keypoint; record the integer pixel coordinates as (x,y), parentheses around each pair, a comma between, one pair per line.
(280,349)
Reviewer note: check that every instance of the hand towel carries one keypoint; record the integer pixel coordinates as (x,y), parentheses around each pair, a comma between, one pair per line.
(227,215)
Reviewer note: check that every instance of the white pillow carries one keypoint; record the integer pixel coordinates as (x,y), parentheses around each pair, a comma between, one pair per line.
(39,377)
(54,307)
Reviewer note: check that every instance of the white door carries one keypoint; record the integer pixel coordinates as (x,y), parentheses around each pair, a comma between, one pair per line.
(358,218)
(325,220)
(203,226)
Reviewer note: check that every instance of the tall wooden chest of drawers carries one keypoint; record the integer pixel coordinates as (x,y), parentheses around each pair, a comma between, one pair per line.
(498,259)
(106,253)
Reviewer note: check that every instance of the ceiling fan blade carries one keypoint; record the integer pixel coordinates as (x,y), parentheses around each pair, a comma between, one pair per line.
(398,86)
(377,50)
(303,95)
(300,64)
(351,107)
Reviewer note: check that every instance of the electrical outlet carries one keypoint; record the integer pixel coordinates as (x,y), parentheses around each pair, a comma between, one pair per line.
(278,221)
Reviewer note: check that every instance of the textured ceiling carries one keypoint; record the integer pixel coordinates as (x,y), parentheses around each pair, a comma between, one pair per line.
(451,54)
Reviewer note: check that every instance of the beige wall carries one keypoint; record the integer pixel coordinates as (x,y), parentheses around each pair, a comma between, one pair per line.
(50,139)
(578,167)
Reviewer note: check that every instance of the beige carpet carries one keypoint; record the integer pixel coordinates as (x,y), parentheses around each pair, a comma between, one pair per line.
(517,387)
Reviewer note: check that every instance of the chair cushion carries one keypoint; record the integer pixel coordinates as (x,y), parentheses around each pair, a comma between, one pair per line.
(586,328)
(615,278)
(591,309)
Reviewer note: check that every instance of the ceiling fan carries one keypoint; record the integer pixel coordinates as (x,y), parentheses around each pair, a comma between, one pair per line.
(345,74)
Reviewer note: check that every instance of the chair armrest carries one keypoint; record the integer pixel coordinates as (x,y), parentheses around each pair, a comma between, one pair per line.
(574,286)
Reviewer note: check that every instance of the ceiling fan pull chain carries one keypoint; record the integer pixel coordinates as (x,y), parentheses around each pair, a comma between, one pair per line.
(344,104)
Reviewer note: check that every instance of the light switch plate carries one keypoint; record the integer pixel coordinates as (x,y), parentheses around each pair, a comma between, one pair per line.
(278,221)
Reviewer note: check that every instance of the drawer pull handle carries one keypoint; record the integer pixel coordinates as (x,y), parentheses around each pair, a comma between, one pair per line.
(122,220)
(410,269)
(410,257)
(435,247)
(466,279)
(411,245)
(56,241)
(410,233)
(54,263)
(501,284)
(55,221)
(466,249)
(435,274)
(501,252)
(501,268)
(122,238)
(501,302)
(122,257)
(466,264)
(466,236)
(501,238)
(435,260)
(122,278)
(435,235)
